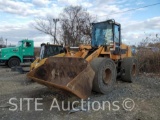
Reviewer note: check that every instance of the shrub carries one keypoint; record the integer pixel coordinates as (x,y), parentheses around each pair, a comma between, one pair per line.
(148,55)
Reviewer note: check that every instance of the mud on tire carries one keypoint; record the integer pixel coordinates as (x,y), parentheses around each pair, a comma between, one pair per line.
(105,75)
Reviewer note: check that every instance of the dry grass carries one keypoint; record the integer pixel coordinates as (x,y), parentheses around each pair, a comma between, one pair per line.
(148,55)
(149,61)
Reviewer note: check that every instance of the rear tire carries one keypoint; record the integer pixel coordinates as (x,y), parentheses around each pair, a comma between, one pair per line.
(129,68)
(105,75)
(12,62)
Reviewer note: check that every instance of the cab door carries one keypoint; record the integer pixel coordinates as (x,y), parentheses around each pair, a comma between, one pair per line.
(27,49)
(117,39)
(117,35)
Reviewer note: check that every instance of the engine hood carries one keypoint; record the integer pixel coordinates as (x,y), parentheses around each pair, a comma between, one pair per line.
(9,49)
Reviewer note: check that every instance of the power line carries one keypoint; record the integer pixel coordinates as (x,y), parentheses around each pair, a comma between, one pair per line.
(131,9)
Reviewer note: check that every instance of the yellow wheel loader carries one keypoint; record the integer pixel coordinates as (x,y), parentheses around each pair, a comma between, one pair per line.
(91,67)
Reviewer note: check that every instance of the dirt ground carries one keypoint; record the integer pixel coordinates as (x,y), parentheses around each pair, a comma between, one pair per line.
(145,93)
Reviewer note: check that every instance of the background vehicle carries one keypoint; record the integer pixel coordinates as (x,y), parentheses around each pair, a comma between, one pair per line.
(93,67)
(46,51)
(13,56)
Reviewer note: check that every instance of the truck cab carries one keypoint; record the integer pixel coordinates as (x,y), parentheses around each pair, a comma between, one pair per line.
(13,56)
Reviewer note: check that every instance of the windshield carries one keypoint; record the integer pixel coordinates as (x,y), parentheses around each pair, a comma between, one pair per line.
(19,43)
(102,34)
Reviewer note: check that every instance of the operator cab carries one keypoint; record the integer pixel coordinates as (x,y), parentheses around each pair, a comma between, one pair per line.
(50,50)
(106,33)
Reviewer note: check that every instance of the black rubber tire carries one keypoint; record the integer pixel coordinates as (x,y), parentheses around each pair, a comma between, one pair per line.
(129,68)
(12,62)
(100,83)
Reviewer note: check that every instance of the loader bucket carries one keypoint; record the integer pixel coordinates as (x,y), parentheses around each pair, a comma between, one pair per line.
(70,74)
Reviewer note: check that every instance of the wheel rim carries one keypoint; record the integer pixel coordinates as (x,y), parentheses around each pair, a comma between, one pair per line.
(14,63)
(134,70)
(107,76)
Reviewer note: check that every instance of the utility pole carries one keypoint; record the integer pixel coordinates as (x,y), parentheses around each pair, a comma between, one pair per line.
(55,23)
(6,42)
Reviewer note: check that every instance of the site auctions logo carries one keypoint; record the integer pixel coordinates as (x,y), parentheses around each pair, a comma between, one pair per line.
(84,105)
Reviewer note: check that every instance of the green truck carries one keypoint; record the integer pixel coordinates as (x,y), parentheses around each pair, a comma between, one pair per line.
(13,56)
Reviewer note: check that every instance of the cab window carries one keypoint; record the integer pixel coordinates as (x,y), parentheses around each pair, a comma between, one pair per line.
(27,44)
(116,35)
(102,34)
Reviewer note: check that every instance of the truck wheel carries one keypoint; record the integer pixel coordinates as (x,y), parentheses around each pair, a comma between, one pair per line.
(129,69)
(13,62)
(105,75)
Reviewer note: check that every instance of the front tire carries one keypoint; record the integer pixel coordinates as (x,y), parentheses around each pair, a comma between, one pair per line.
(105,75)
(13,62)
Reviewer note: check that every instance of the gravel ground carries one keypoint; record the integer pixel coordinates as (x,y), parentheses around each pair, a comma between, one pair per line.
(145,93)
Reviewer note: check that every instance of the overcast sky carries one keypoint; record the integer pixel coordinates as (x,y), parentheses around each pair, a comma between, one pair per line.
(17,16)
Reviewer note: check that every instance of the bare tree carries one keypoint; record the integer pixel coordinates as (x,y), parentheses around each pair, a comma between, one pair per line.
(74,26)
(150,40)
(75,22)
(46,26)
